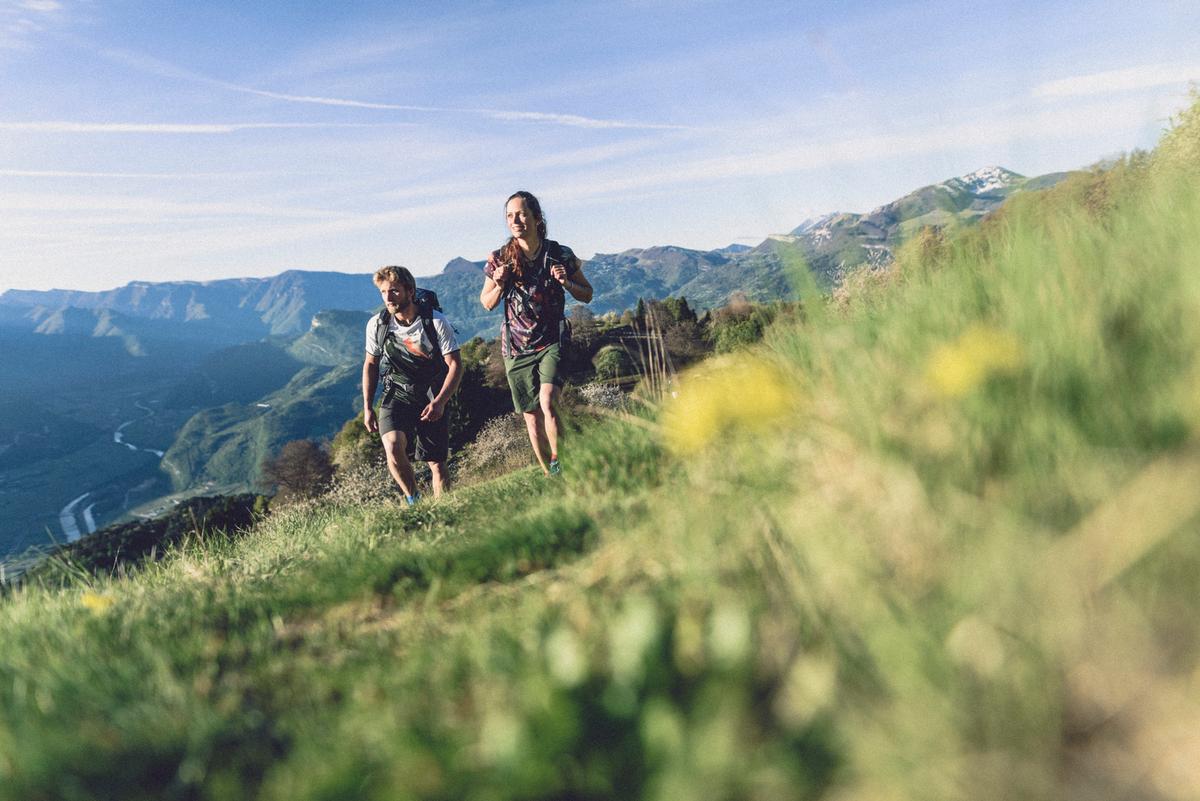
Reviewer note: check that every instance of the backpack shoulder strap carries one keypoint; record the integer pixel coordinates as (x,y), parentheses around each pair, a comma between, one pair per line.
(384,322)
(434,341)
(431,332)
(554,250)
(381,330)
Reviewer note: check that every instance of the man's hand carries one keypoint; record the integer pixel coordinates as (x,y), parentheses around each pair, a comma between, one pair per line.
(369,420)
(433,411)
(559,273)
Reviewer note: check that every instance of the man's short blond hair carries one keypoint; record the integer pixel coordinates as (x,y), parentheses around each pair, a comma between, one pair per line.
(396,274)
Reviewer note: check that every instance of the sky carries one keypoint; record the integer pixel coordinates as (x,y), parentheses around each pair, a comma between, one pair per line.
(165,141)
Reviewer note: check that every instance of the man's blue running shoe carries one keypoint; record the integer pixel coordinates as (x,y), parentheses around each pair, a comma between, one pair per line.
(554,468)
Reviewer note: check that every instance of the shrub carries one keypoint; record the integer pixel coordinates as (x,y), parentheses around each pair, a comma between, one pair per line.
(362,484)
(354,446)
(502,445)
(611,362)
(739,324)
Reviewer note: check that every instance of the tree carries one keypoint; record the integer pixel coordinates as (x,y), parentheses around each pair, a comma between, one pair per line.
(301,470)
(583,324)
(685,342)
(677,308)
(738,324)
(475,351)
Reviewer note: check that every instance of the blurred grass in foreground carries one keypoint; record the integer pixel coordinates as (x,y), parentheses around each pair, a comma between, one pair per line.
(938,540)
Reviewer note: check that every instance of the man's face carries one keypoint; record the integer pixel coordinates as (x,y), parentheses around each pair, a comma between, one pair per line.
(520,219)
(395,295)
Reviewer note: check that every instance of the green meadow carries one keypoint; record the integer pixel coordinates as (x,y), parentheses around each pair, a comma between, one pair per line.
(936,536)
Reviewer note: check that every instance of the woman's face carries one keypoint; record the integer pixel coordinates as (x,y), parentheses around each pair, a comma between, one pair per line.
(521,222)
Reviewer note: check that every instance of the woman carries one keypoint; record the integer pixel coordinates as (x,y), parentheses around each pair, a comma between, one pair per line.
(531,274)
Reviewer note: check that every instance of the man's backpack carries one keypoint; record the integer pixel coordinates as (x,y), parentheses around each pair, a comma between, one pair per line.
(427,303)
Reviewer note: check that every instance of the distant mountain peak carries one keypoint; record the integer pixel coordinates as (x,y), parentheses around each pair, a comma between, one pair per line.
(813,222)
(816,229)
(988,179)
(735,247)
(460,265)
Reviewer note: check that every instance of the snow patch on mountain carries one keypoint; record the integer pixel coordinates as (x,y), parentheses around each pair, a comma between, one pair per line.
(813,223)
(988,179)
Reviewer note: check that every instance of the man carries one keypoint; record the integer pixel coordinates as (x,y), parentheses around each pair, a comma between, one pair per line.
(417,343)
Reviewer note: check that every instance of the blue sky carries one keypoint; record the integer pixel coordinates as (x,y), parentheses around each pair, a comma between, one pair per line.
(192,141)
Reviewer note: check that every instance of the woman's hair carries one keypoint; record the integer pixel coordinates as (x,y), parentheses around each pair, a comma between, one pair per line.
(510,251)
(399,275)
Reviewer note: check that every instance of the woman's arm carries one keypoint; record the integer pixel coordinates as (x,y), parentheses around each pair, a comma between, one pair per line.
(491,293)
(578,285)
(493,285)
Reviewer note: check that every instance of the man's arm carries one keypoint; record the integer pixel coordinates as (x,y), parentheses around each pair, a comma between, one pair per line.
(370,380)
(437,407)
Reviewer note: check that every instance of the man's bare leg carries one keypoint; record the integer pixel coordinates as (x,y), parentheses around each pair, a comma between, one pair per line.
(394,447)
(439,478)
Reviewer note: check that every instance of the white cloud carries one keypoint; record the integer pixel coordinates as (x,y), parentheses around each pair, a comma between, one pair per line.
(157,67)
(22,19)
(325,101)
(167,176)
(1146,76)
(570,120)
(154,247)
(61,126)
(573,120)
(143,209)
(763,159)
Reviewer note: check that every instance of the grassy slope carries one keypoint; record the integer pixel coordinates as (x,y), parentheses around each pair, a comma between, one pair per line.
(939,541)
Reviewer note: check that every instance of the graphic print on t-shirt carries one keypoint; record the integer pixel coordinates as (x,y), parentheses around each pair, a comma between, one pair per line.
(414,346)
(408,349)
(534,301)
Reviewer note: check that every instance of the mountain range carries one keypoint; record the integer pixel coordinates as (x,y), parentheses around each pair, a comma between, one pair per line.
(154,388)
(243,309)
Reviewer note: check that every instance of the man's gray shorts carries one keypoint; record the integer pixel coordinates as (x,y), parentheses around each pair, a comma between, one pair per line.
(426,441)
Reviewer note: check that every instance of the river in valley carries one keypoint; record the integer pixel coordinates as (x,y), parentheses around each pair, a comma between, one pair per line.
(74,523)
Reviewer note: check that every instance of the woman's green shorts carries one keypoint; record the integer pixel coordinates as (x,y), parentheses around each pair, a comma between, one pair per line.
(527,373)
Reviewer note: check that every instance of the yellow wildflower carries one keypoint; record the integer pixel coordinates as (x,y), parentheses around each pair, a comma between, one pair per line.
(956,369)
(96,602)
(730,393)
